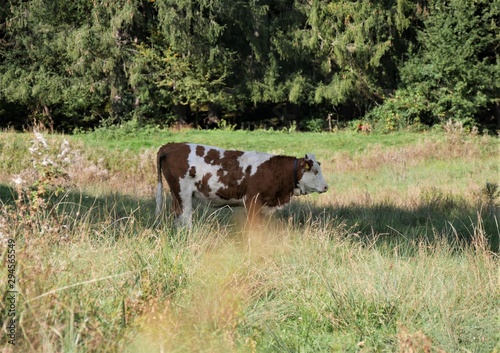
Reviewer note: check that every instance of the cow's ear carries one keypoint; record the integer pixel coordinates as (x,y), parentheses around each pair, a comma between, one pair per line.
(308,164)
(310,157)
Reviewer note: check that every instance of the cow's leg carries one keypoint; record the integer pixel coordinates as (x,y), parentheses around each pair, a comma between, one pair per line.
(184,217)
(176,205)
(182,208)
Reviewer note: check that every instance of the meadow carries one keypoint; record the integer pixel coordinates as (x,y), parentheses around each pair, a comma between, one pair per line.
(400,255)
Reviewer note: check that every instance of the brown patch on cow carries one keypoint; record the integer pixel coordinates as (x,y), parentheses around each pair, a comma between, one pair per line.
(228,161)
(192,171)
(232,155)
(272,184)
(176,204)
(200,151)
(301,169)
(231,172)
(231,175)
(202,185)
(212,157)
(224,194)
(273,181)
(232,191)
(173,158)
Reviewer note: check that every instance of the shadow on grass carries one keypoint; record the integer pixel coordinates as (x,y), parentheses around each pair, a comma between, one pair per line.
(7,194)
(453,221)
(75,207)
(432,220)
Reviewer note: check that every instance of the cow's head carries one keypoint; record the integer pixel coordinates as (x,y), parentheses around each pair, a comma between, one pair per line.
(312,179)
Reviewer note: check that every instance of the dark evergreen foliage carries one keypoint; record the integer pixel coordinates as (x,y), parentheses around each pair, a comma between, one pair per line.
(82,64)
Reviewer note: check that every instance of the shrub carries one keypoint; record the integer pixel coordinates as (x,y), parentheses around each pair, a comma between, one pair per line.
(315,125)
(406,109)
(33,208)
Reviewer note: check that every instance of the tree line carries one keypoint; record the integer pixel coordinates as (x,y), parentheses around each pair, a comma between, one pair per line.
(388,64)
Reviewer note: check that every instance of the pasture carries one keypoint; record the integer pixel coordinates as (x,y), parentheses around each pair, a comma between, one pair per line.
(400,255)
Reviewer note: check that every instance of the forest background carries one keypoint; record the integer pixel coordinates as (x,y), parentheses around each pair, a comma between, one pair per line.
(311,64)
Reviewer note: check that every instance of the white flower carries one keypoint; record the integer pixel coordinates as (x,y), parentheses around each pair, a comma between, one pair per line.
(40,139)
(64,149)
(18,180)
(47,161)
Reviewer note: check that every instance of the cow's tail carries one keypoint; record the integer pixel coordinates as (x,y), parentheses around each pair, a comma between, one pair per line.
(159,188)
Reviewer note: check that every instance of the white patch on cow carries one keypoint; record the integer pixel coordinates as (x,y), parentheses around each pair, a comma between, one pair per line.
(253,159)
(312,180)
(202,169)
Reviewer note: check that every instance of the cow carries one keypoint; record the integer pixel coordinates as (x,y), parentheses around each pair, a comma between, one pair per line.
(230,177)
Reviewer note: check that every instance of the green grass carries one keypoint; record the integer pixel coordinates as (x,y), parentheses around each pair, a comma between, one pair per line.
(396,257)
(259,140)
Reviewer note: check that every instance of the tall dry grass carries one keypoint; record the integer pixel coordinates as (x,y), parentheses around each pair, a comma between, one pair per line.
(397,257)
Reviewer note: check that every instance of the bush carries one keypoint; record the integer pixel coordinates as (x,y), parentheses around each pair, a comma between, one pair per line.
(314,125)
(406,109)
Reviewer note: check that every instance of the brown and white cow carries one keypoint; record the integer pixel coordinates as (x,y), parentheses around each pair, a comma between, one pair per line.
(236,178)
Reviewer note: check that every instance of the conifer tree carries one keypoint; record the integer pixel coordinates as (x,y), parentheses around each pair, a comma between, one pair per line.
(67,61)
(454,73)
(356,45)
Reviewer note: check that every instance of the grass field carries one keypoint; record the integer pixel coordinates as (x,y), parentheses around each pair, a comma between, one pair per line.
(401,255)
